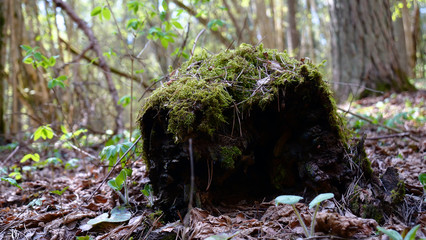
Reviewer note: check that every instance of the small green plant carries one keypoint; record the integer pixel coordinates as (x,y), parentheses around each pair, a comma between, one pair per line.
(394,235)
(292,200)
(119,182)
(11,181)
(422,179)
(84,238)
(113,152)
(147,192)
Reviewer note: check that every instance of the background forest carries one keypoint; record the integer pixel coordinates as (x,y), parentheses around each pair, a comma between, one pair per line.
(74,75)
(105,55)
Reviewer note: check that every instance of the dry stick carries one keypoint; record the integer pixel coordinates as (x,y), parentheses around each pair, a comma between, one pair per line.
(196,40)
(186,219)
(389,136)
(11,154)
(96,63)
(191,190)
(115,165)
(182,46)
(370,121)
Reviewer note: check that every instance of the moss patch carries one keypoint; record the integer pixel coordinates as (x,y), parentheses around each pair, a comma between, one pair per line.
(229,155)
(199,93)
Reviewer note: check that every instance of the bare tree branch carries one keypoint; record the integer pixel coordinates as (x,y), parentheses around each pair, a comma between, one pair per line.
(102,63)
(82,54)
(203,21)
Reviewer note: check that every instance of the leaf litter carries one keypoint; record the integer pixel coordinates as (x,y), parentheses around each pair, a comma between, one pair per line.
(37,213)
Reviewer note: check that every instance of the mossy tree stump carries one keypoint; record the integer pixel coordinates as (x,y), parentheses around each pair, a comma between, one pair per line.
(262,124)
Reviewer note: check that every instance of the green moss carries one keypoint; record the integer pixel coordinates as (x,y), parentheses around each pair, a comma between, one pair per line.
(199,94)
(398,194)
(280,175)
(229,155)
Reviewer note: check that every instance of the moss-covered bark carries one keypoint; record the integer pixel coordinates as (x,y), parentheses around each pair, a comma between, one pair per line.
(262,124)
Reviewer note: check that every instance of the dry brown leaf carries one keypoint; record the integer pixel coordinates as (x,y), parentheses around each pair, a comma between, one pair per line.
(335,224)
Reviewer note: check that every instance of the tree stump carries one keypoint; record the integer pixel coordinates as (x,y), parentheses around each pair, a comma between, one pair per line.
(262,124)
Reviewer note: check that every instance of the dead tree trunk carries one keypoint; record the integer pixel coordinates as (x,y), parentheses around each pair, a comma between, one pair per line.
(262,124)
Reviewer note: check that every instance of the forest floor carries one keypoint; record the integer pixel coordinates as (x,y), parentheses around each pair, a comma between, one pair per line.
(56,200)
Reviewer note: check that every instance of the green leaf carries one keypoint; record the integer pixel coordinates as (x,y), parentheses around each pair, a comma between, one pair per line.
(214,24)
(17,175)
(38,56)
(287,199)
(164,43)
(318,199)
(93,60)
(54,83)
(124,101)
(134,6)
(422,179)
(54,160)
(96,11)
(52,61)
(165,5)
(28,60)
(177,24)
(106,13)
(62,78)
(83,238)
(26,48)
(411,235)
(114,185)
(118,214)
(43,132)
(60,192)
(394,235)
(11,181)
(35,157)
(134,24)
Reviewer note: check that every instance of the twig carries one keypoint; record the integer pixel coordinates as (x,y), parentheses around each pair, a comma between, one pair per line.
(115,165)
(404,134)
(152,227)
(182,46)
(11,154)
(370,121)
(196,40)
(191,190)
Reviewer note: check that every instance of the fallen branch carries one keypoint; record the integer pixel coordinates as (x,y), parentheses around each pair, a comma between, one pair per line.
(404,134)
(381,125)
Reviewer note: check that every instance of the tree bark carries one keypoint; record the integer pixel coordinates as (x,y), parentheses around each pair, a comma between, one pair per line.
(363,49)
(2,71)
(264,26)
(293,35)
(410,36)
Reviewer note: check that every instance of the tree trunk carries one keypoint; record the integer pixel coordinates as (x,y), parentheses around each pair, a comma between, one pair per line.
(258,123)
(398,30)
(293,36)
(264,25)
(363,49)
(3,13)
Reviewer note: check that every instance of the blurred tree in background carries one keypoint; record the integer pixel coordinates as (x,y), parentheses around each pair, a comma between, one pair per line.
(85,64)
